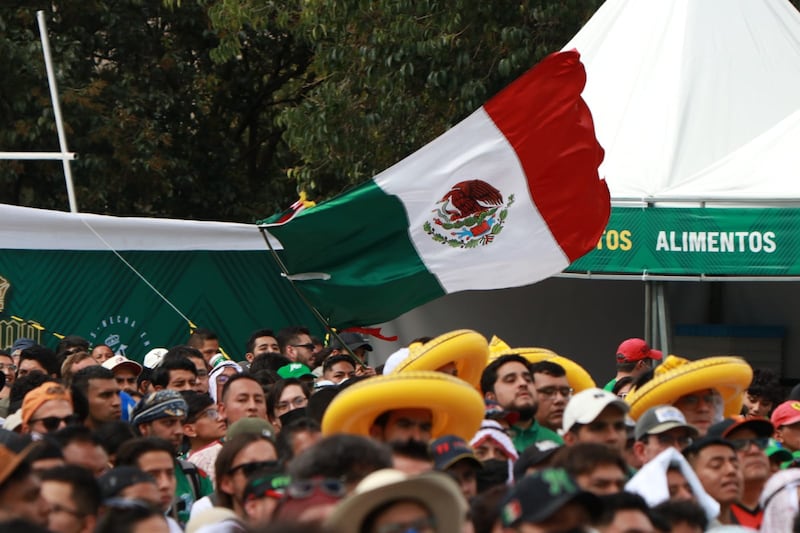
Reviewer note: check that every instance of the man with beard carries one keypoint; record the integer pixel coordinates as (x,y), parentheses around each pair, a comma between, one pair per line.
(508,381)
(749,437)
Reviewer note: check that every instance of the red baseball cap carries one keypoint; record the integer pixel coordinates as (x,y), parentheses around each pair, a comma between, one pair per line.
(786,414)
(633,350)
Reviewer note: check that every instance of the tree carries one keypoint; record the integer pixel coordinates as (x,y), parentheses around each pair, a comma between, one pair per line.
(224,110)
(160,128)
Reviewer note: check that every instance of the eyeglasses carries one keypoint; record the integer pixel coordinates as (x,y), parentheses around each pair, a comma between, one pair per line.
(305,488)
(308,346)
(420,525)
(671,440)
(299,401)
(549,392)
(212,414)
(249,468)
(10,367)
(744,444)
(692,400)
(51,423)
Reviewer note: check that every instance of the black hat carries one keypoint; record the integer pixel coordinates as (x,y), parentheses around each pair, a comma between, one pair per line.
(352,340)
(450,449)
(121,477)
(537,497)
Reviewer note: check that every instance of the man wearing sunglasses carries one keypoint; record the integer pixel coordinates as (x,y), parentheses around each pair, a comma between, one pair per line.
(46,409)
(295,343)
(750,437)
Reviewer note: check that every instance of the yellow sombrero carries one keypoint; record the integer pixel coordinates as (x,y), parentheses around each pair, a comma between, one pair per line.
(457,407)
(676,377)
(468,349)
(577,376)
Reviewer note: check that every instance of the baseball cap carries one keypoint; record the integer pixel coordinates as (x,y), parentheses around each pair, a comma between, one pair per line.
(352,340)
(10,461)
(662,418)
(120,362)
(121,477)
(786,414)
(632,350)
(295,370)
(760,426)
(154,357)
(22,343)
(587,405)
(538,496)
(250,424)
(450,449)
(778,453)
(41,394)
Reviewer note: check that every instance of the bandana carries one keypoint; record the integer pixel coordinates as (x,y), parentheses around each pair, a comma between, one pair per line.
(160,404)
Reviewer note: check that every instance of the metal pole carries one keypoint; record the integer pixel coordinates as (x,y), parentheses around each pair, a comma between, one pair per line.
(62,138)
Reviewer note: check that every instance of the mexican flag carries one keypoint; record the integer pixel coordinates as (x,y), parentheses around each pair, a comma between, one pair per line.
(505,198)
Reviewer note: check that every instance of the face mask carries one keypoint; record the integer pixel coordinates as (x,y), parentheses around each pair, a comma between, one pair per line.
(494,472)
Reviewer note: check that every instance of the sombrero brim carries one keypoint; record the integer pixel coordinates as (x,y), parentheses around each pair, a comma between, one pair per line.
(457,407)
(468,349)
(431,489)
(577,376)
(730,376)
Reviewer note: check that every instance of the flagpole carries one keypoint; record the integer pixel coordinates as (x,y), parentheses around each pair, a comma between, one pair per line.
(306,301)
(62,138)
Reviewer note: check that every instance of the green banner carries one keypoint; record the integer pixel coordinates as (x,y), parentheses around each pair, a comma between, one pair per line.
(694,241)
(94,294)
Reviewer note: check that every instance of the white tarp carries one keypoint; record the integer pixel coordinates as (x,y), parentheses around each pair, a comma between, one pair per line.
(676,85)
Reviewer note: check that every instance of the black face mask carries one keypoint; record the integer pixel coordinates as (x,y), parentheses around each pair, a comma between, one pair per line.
(493,473)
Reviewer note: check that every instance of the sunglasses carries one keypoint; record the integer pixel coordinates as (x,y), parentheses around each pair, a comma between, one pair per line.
(250,468)
(51,423)
(305,488)
(308,346)
(744,444)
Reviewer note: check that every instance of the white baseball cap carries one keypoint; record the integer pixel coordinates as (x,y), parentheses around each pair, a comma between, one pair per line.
(120,362)
(587,405)
(154,357)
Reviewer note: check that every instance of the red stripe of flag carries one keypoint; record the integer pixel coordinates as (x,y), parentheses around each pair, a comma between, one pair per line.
(544,118)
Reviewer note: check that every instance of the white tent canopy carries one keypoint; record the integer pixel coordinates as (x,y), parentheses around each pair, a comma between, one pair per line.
(692,99)
(764,169)
(675,86)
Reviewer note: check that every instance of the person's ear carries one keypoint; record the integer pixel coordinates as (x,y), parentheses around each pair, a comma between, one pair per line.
(189,430)
(249,356)
(569,438)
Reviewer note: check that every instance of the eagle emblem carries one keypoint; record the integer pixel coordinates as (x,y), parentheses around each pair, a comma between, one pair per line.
(471,214)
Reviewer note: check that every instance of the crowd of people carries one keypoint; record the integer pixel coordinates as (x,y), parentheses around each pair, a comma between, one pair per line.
(453,434)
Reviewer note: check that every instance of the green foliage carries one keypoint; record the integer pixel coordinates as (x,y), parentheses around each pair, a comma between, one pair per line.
(213,109)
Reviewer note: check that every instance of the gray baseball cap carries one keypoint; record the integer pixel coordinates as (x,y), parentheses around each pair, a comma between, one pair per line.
(662,418)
